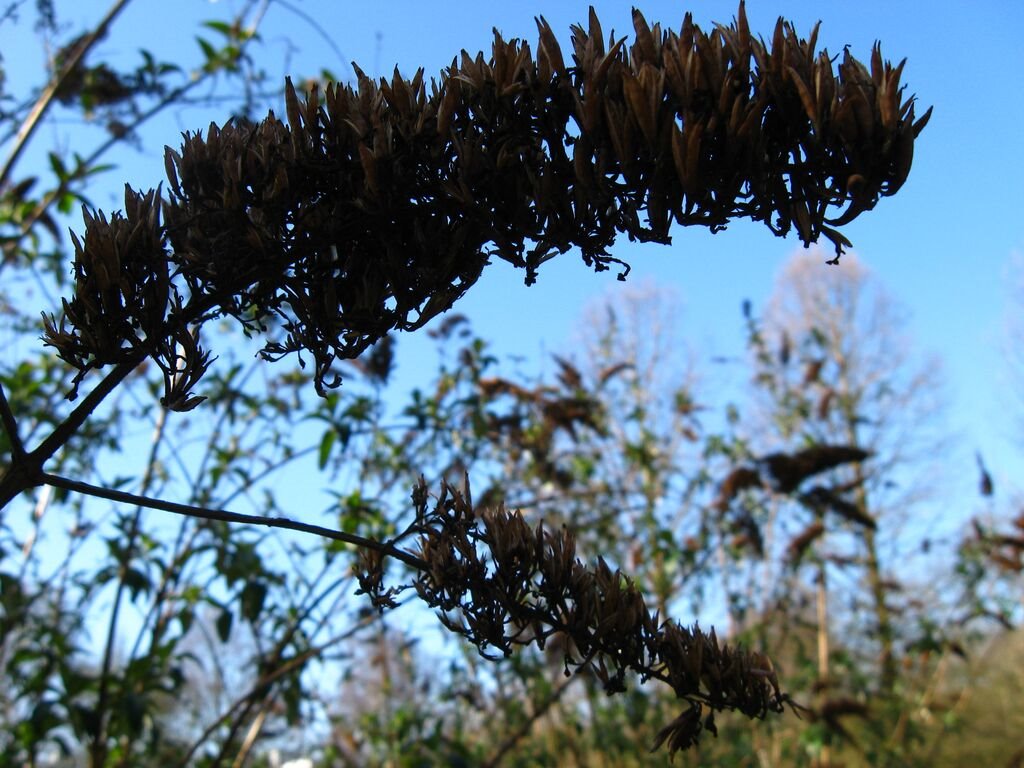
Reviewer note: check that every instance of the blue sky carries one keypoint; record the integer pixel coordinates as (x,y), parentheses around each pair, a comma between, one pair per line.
(943,246)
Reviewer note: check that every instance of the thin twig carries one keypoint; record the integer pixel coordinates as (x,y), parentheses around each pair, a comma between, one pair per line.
(275,659)
(100,743)
(176,96)
(46,97)
(28,473)
(271,677)
(11,428)
(42,503)
(225,516)
(318,28)
(250,738)
(514,738)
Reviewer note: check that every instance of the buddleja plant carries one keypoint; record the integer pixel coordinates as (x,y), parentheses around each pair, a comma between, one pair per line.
(375,208)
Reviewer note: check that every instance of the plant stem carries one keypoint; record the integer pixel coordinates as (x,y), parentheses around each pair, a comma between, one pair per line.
(286,667)
(538,711)
(28,472)
(11,428)
(99,746)
(225,516)
(46,97)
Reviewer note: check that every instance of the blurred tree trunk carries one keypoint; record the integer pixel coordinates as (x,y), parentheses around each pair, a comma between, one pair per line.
(833,367)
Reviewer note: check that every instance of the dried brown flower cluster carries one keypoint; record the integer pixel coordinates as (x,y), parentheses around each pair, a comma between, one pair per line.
(786,473)
(375,208)
(536,415)
(501,584)
(1004,549)
(126,306)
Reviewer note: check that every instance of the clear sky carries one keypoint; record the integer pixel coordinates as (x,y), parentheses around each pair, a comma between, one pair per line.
(943,246)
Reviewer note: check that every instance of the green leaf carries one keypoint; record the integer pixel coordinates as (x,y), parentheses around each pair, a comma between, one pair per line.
(133,709)
(224,622)
(65,203)
(137,582)
(221,26)
(208,51)
(253,596)
(59,170)
(326,443)
(186,616)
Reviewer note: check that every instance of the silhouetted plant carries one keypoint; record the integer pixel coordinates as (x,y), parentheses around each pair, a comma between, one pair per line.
(376,208)
(500,584)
